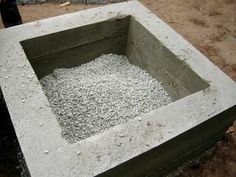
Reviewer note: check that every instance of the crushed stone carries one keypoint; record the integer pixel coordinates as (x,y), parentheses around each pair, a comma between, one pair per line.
(100,94)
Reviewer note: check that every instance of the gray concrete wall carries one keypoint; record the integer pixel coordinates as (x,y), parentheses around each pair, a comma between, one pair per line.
(73,1)
(161,160)
(167,133)
(76,46)
(149,53)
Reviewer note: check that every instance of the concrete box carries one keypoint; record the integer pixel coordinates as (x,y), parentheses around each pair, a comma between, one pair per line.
(149,145)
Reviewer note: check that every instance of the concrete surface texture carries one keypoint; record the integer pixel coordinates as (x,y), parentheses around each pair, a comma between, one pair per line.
(122,150)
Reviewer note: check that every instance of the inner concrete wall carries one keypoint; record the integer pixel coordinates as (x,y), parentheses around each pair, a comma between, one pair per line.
(76,46)
(147,52)
(124,36)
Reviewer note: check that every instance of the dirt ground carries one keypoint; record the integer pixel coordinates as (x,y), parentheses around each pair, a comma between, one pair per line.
(210,25)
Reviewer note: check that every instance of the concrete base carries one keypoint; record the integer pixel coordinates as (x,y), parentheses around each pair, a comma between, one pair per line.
(149,145)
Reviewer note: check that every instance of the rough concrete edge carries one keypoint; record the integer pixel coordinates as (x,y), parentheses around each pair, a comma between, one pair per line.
(72,1)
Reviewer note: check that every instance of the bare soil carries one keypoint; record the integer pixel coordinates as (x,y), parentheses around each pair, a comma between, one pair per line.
(210,25)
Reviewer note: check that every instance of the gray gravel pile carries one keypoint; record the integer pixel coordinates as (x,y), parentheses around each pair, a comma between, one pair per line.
(100,94)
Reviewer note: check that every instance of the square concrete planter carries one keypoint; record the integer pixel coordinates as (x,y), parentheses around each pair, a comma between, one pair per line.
(150,145)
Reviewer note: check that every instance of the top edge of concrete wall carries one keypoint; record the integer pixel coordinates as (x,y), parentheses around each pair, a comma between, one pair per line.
(73,1)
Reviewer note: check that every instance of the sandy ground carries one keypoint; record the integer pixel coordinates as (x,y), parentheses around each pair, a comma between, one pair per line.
(210,25)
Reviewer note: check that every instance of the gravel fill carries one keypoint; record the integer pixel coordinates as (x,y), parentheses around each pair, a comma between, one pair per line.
(100,94)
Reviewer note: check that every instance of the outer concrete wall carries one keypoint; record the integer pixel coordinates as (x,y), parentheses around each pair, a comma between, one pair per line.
(160,160)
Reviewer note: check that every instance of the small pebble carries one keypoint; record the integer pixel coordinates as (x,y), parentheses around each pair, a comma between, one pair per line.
(46,152)
(78,152)
(121,135)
